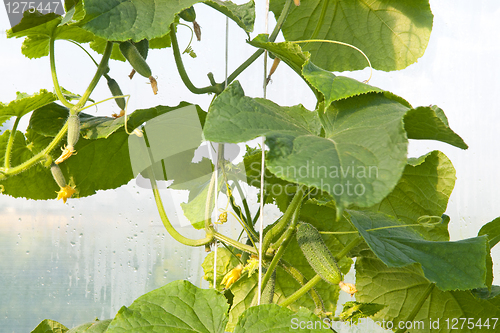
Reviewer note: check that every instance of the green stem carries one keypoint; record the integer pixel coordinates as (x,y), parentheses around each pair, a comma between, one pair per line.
(245,204)
(171,230)
(236,244)
(282,223)
(258,53)
(217,89)
(300,292)
(10,143)
(418,306)
(297,275)
(101,69)
(57,87)
(352,244)
(287,236)
(305,288)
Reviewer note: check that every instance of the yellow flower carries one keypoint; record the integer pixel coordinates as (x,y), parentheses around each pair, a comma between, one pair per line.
(232,276)
(65,193)
(67,152)
(348,288)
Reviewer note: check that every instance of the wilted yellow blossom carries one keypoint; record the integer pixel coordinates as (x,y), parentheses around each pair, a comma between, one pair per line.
(67,152)
(348,287)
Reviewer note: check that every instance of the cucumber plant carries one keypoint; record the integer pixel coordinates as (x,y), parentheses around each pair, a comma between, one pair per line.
(339,174)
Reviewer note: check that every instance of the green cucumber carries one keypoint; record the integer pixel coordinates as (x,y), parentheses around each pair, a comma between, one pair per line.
(116,91)
(73,130)
(58,175)
(188,14)
(317,253)
(131,53)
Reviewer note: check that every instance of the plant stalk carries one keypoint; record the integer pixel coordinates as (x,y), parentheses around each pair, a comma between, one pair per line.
(300,292)
(171,230)
(55,81)
(217,89)
(286,240)
(311,283)
(282,223)
(258,53)
(10,143)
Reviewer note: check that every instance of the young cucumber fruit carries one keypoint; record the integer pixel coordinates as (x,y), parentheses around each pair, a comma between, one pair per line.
(73,130)
(317,253)
(133,56)
(116,91)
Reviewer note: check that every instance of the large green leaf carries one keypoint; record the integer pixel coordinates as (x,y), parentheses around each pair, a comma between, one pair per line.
(401,288)
(269,318)
(24,104)
(392,33)
(451,265)
(424,189)
(98,326)
(34,183)
(358,162)
(430,123)
(178,307)
(50,326)
(492,230)
(243,15)
(334,87)
(40,28)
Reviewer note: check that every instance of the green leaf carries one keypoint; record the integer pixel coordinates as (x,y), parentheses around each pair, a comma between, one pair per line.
(99,44)
(492,230)
(288,52)
(392,33)
(36,182)
(49,119)
(424,189)
(119,20)
(176,307)
(451,265)
(24,104)
(81,170)
(226,261)
(97,326)
(353,311)
(358,162)
(334,87)
(40,28)
(274,318)
(430,123)
(50,326)
(401,288)
(243,15)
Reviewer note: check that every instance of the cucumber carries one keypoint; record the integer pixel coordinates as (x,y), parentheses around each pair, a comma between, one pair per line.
(58,175)
(317,253)
(131,53)
(116,91)
(188,14)
(73,130)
